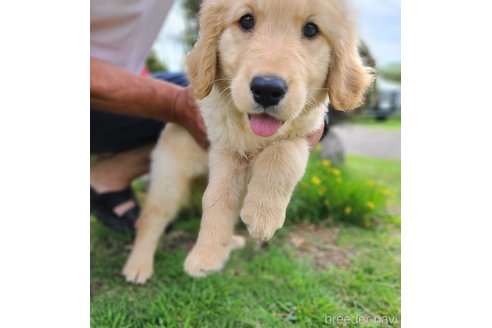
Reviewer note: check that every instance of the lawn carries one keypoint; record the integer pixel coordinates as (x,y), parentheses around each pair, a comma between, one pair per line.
(308,274)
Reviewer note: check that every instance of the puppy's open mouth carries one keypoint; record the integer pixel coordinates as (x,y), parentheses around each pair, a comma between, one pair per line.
(264,125)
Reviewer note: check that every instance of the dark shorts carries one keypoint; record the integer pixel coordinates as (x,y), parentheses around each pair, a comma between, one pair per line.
(112,133)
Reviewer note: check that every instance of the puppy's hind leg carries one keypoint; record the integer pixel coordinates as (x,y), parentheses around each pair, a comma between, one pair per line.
(176,160)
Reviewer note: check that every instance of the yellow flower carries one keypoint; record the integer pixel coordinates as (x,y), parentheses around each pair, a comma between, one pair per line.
(325,163)
(371,205)
(326,202)
(387,192)
(339,180)
(322,191)
(348,210)
(336,172)
(318,147)
(371,182)
(315,181)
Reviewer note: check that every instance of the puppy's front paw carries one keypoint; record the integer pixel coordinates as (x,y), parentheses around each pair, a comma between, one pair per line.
(138,270)
(262,221)
(203,260)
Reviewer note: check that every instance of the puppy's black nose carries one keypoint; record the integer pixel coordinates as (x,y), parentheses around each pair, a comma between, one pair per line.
(268,90)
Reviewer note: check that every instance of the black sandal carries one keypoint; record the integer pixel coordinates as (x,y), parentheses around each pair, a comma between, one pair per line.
(103,204)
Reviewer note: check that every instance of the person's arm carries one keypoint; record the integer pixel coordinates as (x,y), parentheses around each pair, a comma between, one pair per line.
(118,91)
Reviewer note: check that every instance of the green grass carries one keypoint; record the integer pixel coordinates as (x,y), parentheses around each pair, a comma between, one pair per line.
(386,172)
(393,123)
(296,281)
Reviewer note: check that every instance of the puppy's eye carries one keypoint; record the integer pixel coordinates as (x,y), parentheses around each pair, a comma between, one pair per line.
(247,22)
(310,30)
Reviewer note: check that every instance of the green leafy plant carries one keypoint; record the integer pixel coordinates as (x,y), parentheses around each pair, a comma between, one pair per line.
(329,191)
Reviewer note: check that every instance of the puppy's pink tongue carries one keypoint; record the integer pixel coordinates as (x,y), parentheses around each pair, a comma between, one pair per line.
(264,125)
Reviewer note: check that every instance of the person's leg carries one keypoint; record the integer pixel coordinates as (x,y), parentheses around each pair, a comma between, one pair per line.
(129,141)
(125,143)
(117,172)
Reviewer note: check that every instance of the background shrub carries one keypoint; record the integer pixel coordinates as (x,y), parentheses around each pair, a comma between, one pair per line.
(329,191)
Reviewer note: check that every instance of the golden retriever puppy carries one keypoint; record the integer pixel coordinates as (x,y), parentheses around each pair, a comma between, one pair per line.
(263,72)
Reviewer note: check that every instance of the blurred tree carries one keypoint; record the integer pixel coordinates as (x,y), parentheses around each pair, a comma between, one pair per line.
(391,72)
(153,64)
(366,55)
(191,9)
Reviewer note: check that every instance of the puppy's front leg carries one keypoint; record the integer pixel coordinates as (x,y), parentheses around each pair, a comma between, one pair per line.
(220,211)
(275,174)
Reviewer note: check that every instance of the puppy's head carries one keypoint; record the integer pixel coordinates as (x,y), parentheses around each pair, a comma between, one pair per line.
(278,58)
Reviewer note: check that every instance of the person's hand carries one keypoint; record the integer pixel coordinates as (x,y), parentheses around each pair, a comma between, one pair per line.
(188,116)
(314,138)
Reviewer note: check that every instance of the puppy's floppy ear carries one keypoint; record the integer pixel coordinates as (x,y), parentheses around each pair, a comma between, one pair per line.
(348,80)
(202,60)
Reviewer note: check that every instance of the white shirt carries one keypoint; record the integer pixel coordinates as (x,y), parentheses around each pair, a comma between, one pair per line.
(123,31)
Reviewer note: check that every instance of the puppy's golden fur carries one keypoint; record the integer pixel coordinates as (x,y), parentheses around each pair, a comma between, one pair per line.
(249,175)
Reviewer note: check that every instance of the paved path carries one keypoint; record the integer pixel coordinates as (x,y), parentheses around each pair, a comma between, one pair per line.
(371,142)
